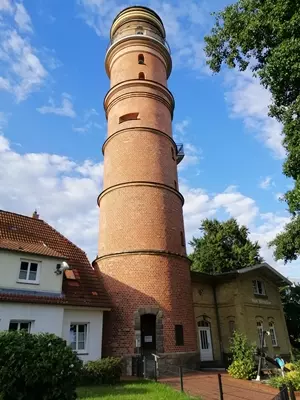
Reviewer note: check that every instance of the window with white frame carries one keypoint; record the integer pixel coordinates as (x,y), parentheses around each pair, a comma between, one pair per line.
(78,337)
(20,326)
(260,330)
(258,288)
(273,334)
(29,272)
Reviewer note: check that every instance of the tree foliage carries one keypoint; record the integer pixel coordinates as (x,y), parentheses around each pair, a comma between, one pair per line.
(290,297)
(264,35)
(224,246)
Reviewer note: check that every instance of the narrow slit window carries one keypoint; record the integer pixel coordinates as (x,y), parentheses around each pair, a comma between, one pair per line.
(182,239)
(175,184)
(179,340)
(141,59)
(129,117)
(141,75)
(173,153)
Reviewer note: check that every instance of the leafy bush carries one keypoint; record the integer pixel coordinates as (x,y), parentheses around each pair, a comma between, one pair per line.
(243,365)
(292,377)
(37,367)
(242,369)
(240,348)
(104,371)
(290,366)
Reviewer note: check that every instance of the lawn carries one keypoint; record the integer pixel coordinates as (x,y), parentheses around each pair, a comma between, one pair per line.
(132,391)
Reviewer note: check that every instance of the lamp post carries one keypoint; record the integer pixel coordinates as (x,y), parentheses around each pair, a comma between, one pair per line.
(262,337)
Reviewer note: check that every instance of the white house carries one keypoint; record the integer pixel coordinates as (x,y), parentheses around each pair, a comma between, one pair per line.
(48,285)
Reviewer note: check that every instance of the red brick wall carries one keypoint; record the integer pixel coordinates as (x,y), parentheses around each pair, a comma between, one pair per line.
(136,281)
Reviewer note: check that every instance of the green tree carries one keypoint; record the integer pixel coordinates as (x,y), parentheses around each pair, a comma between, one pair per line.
(290,297)
(264,35)
(223,246)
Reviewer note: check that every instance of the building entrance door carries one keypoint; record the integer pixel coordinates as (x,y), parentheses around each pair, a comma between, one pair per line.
(206,353)
(148,333)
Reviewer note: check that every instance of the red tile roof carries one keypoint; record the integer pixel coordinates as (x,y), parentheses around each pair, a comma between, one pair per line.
(32,248)
(30,233)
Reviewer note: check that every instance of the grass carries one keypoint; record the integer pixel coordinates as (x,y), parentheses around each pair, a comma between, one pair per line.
(132,391)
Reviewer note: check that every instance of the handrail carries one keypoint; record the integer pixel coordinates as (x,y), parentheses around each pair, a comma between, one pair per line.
(145,33)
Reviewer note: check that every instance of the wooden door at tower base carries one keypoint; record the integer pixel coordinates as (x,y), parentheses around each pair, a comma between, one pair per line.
(206,352)
(148,332)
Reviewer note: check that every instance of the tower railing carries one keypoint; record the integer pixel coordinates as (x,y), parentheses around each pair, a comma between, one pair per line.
(135,33)
(179,152)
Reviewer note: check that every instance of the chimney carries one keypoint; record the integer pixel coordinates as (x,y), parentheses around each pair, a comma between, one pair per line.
(35,215)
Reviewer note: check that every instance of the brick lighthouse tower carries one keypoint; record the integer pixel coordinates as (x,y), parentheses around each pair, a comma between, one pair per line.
(142,255)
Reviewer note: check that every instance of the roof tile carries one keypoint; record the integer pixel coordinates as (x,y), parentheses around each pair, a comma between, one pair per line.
(30,233)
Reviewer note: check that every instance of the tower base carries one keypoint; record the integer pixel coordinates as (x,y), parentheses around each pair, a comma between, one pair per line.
(167,364)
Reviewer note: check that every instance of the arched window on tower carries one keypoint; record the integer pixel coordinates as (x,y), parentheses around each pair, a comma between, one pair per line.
(139,30)
(141,75)
(141,59)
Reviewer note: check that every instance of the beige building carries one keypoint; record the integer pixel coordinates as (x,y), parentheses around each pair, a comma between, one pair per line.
(247,300)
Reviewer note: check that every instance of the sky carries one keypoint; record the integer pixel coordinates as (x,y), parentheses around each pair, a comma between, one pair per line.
(52,122)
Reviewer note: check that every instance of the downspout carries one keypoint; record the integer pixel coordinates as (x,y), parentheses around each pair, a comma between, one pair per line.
(218,323)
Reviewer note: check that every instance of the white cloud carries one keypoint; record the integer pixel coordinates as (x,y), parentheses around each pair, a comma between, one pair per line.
(263,226)
(249,101)
(5,5)
(24,71)
(22,18)
(193,154)
(180,127)
(63,191)
(266,183)
(88,121)
(65,110)
(4,84)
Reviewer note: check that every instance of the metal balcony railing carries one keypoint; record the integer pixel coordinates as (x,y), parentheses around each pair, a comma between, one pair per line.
(135,33)
(179,152)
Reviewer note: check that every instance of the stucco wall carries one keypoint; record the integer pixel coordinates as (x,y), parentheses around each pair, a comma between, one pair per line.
(44,318)
(94,319)
(54,319)
(10,267)
(237,302)
(203,301)
(266,308)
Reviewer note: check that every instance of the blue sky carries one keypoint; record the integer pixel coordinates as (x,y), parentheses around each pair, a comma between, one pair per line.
(52,124)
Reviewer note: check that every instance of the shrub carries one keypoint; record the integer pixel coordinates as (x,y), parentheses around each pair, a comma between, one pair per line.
(242,369)
(104,371)
(292,377)
(243,365)
(37,367)
(290,366)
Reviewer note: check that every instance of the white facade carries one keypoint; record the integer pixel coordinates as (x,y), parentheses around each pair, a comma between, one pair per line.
(47,280)
(81,327)
(57,320)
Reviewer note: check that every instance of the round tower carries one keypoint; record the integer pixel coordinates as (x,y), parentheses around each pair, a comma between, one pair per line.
(142,254)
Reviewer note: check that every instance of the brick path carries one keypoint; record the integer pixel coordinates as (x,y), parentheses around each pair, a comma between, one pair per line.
(205,385)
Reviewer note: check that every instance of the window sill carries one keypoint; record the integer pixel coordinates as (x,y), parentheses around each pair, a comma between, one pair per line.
(28,282)
(260,296)
(276,347)
(81,353)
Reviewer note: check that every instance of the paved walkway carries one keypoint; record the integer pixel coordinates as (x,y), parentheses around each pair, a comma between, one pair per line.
(205,385)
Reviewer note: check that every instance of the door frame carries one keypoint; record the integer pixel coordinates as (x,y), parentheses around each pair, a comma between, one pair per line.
(209,335)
